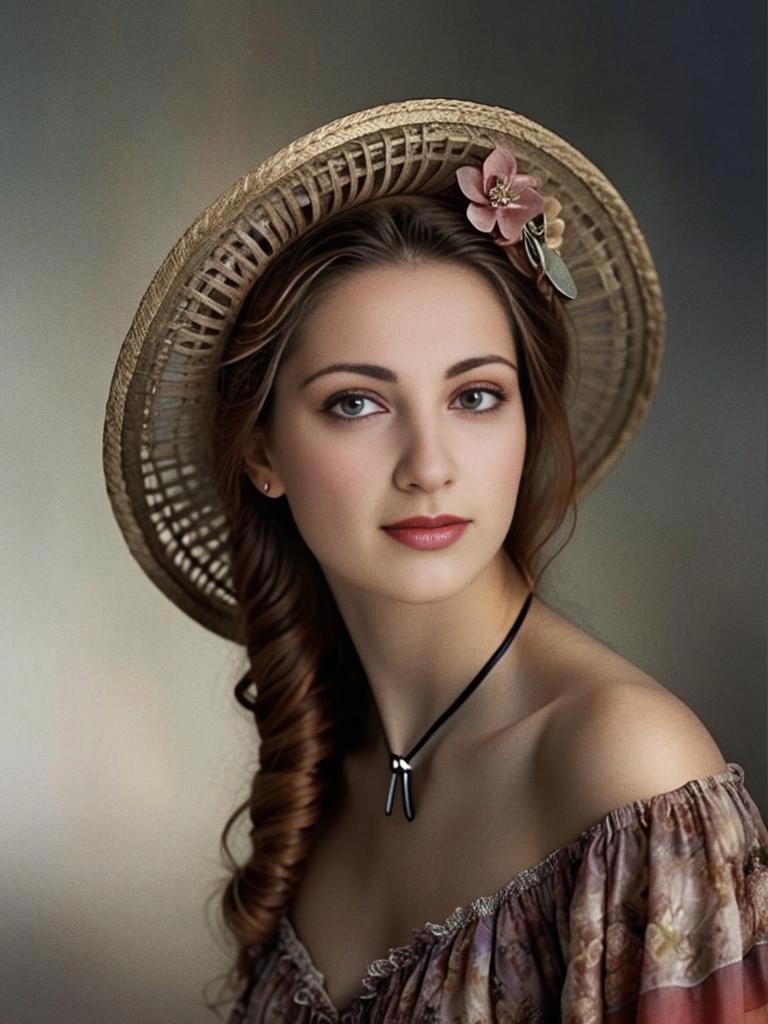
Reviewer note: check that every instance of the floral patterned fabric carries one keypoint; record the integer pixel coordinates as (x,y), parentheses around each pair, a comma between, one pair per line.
(656,914)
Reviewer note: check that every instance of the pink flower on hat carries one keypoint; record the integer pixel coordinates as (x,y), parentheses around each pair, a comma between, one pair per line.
(499,195)
(554,225)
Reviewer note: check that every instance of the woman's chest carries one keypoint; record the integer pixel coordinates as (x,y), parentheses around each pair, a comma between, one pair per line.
(371,880)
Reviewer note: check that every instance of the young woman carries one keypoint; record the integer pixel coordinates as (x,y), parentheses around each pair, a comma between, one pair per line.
(358,402)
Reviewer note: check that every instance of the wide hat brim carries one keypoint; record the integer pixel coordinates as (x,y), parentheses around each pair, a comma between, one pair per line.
(157,437)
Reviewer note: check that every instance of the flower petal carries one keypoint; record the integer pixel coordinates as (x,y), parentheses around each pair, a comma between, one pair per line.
(552,207)
(500,163)
(555,233)
(532,201)
(521,181)
(470,181)
(512,218)
(482,217)
(511,221)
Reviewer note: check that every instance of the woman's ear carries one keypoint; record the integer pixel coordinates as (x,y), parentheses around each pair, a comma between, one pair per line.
(258,466)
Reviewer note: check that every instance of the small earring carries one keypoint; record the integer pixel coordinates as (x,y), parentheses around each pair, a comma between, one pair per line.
(266,486)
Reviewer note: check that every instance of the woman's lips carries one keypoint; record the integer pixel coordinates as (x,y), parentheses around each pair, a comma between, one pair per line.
(427,539)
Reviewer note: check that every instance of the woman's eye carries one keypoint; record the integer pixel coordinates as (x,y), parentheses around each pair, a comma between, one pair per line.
(353,399)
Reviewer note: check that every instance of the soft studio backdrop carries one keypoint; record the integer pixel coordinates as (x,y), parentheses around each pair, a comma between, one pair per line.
(124,751)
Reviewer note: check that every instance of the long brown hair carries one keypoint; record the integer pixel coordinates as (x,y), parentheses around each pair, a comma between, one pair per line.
(305,685)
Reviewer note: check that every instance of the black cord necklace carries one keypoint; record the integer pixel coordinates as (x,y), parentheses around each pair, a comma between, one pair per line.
(400,765)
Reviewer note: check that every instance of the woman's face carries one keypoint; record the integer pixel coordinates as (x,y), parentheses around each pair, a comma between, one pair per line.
(416,438)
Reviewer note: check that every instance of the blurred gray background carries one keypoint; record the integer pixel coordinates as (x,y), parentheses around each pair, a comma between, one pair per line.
(123,751)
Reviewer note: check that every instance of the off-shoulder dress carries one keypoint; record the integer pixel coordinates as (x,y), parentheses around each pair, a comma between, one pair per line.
(656,913)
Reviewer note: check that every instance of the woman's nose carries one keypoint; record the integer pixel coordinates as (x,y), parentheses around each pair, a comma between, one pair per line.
(426,460)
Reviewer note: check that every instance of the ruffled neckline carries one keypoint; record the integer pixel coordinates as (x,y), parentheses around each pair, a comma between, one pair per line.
(313,990)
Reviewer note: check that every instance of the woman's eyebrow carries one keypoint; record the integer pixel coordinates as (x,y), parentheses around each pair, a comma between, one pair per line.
(382,373)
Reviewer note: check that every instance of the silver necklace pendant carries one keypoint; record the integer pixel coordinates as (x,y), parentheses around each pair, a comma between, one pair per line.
(540,255)
(400,767)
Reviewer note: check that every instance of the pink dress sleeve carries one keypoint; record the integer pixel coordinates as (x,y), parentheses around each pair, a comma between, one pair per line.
(668,919)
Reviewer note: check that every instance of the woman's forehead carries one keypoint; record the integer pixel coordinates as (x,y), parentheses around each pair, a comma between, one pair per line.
(404,304)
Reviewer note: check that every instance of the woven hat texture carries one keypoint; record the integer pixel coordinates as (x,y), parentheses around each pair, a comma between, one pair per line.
(157,455)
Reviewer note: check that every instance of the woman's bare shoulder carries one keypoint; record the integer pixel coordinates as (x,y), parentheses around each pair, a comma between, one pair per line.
(614,734)
(572,664)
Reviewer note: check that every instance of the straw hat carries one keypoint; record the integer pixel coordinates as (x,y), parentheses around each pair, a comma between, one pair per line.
(157,457)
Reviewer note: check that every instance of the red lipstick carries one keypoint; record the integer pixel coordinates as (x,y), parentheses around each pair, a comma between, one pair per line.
(428,522)
(428,532)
